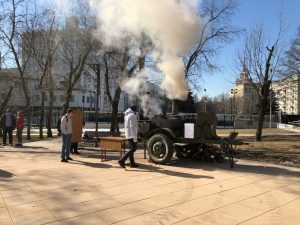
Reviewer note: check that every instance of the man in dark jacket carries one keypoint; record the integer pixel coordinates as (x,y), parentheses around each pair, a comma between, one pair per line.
(8,124)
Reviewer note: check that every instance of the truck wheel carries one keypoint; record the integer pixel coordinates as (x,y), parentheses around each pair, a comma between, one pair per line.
(160,148)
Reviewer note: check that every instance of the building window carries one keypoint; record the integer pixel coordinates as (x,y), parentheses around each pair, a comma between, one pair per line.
(36,98)
(62,98)
(62,83)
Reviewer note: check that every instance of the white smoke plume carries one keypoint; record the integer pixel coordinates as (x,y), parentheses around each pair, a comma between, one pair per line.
(172,26)
(151,106)
(136,88)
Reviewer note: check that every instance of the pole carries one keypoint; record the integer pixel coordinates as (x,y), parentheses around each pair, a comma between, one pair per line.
(204,100)
(270,124)
(97,101)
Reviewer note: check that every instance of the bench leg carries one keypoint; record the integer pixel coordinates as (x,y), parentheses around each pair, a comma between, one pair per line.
(145,151)
(101,154)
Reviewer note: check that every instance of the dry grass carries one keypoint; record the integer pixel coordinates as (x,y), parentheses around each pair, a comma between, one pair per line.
(281,149)
(252,131)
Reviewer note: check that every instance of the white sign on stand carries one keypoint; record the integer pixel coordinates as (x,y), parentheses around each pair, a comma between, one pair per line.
(189,130)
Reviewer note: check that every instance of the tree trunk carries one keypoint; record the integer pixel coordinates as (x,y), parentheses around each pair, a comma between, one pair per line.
(114,127)
(6,100)
(67,101)
(29,121)
(49,115)
(260,122)
(42,115)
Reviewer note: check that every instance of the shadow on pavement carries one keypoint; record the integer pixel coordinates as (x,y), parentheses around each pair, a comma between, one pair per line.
(90,164)
(266,170)
(43,152)
(243,168)
(155,168)
(6,174)
(33,147)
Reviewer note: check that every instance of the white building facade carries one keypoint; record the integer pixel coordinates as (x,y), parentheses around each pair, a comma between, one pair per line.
(287,92)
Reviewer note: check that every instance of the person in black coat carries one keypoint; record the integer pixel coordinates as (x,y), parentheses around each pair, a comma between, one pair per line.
(8,124)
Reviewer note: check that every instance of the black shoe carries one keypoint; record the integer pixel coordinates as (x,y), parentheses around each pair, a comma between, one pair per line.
(69,158)
(10,144)
(134,165)
(122,164)
(64,160)
(3,144)
(77,153)
(71,152)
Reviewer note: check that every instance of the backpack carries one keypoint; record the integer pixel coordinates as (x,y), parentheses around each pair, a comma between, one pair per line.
(58,123)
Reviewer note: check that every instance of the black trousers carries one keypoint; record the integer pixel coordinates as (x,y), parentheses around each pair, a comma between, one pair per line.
(74,147)
(7,130)
(130,153)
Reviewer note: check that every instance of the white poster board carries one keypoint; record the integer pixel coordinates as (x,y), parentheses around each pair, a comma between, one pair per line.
(189,130)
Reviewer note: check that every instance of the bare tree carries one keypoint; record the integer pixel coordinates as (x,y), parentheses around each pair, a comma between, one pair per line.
(77,45)
(261,63)
(117,66)
(6,100)
(43,51)
(217,30)
(291,62)
(18,23)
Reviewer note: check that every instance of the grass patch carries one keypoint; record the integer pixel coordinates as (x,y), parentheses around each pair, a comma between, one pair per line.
(253,131)
(280,149)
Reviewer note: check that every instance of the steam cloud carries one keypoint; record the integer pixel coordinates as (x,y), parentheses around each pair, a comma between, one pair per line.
(136,87)
(172,26)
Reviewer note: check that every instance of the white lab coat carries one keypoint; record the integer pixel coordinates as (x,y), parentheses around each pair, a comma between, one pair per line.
(130,125)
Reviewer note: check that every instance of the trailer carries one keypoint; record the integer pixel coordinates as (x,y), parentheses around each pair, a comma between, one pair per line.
(187,136)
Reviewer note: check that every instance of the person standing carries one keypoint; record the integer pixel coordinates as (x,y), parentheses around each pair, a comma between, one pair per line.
(66,135)
(20,126)
(131,129)
(8,124)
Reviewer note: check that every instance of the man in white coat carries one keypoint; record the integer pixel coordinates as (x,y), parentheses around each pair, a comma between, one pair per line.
(131,129)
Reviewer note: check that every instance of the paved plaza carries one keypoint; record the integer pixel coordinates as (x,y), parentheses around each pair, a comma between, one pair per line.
(36,188)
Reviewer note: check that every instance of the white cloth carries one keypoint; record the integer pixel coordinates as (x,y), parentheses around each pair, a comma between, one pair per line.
(130,125)
(66,125)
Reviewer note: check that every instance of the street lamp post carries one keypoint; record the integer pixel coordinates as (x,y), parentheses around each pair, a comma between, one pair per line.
(94,98)
(90,102)
(83,99)
(96,68)
(270,125)
(204,100)
(233,93)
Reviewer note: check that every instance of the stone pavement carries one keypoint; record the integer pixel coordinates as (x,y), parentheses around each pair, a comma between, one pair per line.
(36,188)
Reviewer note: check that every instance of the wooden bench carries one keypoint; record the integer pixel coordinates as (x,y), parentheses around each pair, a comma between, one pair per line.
(295,123)
(111,143)
(90,136)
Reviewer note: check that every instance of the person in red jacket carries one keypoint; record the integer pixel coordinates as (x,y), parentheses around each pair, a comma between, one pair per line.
(20,126)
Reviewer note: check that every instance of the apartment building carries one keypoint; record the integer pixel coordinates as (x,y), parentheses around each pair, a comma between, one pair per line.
(288,94)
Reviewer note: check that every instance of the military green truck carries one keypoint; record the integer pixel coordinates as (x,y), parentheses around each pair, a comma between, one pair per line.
(192,136)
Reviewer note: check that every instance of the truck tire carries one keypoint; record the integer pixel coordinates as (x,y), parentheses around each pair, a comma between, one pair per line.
(160,148)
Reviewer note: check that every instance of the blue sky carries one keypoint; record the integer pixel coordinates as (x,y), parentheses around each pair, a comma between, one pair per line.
(251,13)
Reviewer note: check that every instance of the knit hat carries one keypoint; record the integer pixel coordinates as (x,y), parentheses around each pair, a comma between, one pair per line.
(133,108)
